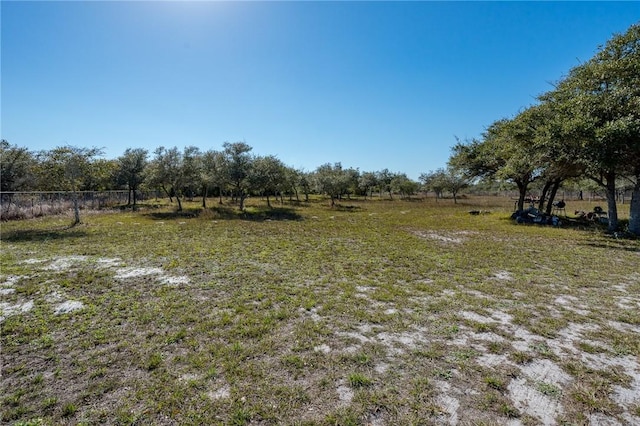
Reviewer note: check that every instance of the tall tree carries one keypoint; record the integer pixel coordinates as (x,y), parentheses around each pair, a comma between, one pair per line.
(601,104)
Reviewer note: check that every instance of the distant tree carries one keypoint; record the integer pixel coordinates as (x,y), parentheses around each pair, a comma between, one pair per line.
(384,178)
(304,181)
(67,166)
(403,185)
(213,174)
(16,168)
(366,183)
(102,175)
(331,180)
(191,171)
(267,176)
(166,172)
(455,181)
(130,171)
(434,181)
(239,162)
(291,182)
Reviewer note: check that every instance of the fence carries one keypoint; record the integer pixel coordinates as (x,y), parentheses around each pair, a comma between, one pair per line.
(25,205)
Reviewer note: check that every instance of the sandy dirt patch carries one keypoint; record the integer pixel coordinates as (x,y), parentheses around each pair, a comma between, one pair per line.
(68,306)
(8,309)
(132,272)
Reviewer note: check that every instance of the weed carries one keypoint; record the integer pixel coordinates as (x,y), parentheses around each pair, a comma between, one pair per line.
(357,380)
(154,361)
(495,383)
(443,373)
(69,410)
(549,389)
(521,357)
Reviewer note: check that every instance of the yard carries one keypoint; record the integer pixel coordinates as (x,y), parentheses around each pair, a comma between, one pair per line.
(373,312)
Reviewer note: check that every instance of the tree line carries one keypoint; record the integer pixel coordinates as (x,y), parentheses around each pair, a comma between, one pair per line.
(587,126)
(233,172)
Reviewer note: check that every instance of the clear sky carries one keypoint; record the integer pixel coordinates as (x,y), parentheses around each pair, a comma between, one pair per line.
(373,85)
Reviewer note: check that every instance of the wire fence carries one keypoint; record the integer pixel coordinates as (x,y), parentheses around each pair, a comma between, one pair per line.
(26,205)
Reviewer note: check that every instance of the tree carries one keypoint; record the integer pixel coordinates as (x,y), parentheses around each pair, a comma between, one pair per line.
(267,176)
(403,185)
(384,178)
(291,182)
(191,171)
(331,180)
(213,173)
(67,166)
(366,183)
(239,162)
(130,171)
(102,175)
(449,179)
(304,181)
(600,105)
(16,168)
(166,172)
(505,153)
(454,181)
(434,181)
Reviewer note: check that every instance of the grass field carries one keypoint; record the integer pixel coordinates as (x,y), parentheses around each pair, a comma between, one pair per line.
(374,312)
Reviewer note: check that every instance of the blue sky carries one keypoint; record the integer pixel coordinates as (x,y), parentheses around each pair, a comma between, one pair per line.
(373,85)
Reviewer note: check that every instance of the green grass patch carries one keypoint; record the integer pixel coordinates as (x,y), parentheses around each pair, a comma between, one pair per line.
(303,314)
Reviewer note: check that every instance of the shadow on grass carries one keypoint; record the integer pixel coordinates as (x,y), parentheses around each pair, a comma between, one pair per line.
(622,244)
(257,214)
(260,214)
(346,208)
(23,235)
(184,214)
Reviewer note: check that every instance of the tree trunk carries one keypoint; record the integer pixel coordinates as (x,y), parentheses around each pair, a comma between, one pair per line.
(268,202)
(634,209)
(611,202)
(552,196)
(179,203)
(241,197)
(135,197)
(76,209)
(164,188)
(129,197)
(543,197)
(205,190)
(522,193)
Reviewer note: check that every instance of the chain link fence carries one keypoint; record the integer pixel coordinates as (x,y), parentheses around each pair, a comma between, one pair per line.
(26,205)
